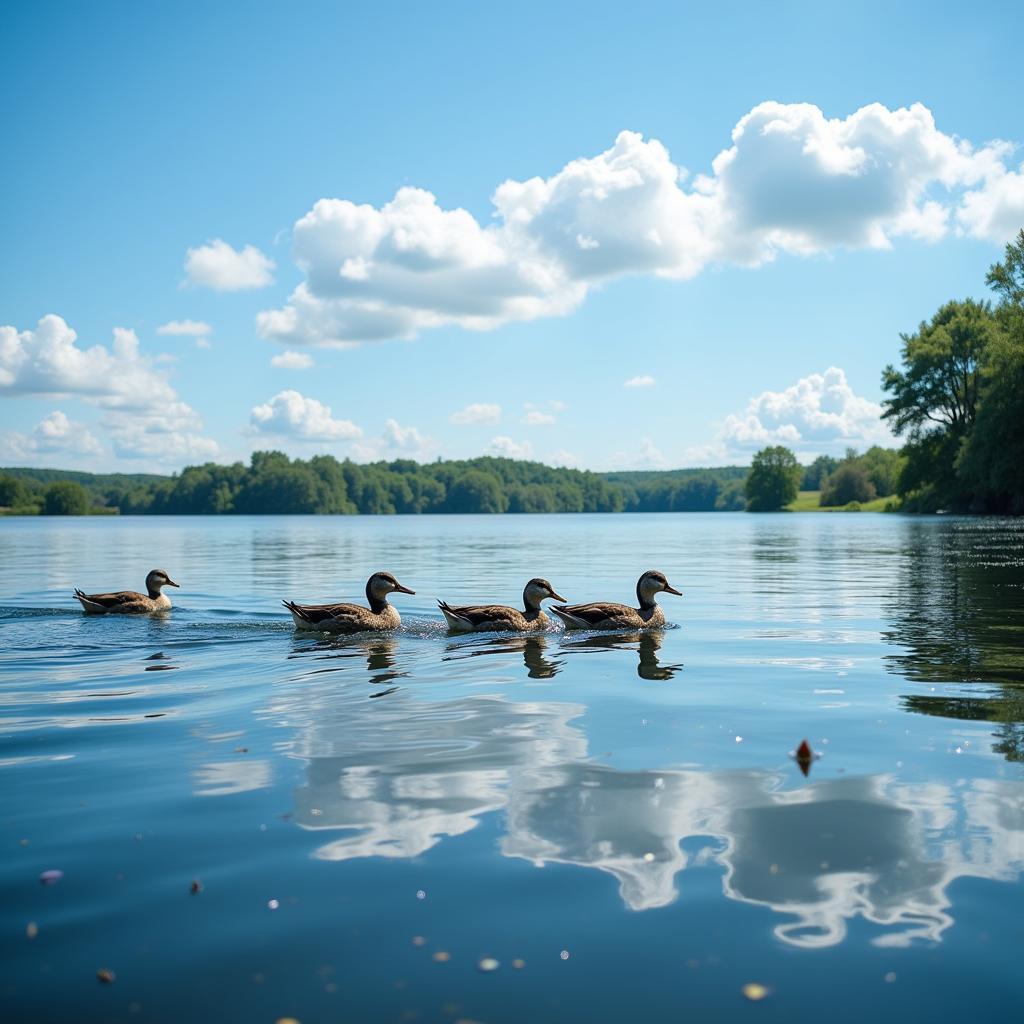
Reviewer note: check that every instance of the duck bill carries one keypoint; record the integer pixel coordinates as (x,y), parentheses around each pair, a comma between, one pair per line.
(171,583)
(672,590)
(404,590)
(558,597)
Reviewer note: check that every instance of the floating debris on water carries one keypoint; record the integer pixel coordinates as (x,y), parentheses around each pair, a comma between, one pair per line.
(286,1020)
(754,991)
(804,756)
(419,940)
(890,977)
(196,887)
(273,904)
(488,964)
(51,877)
(648,857)
(421,894)
(518,964)
(32,929)
(564,954)
(441,956)
(106,976)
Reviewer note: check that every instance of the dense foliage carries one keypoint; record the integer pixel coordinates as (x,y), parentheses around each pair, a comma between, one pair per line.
(273,483)
(959,400)
(774,479)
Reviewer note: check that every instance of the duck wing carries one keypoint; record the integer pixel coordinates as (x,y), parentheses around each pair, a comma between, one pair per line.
(473,616)
(593,614)
(322,614)
(121,601)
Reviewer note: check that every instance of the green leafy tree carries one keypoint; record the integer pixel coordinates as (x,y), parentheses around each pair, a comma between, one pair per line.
(815,473)
(883,467)
(934,399)
(66,498)
(992,461)
(774,480)
(476,491)
(13,493)
(849,482)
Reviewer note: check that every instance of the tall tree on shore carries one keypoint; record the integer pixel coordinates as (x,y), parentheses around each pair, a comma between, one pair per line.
(935,399)
(993,458)
(774,479)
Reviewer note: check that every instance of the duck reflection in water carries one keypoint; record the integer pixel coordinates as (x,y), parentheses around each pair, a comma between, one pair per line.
(646,643)
(380,653)
(532,647)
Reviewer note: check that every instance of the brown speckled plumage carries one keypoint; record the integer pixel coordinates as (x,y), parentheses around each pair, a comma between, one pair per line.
(130,602)
(610,615)
(482,618)
(353,618)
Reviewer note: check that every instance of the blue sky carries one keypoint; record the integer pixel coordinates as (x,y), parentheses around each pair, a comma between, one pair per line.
(138,133)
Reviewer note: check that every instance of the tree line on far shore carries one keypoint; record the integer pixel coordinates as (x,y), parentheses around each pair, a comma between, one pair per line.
(272,483)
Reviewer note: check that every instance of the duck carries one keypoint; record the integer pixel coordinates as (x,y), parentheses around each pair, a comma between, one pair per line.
(354,618)
(608,615)
(486,618)
(129,602)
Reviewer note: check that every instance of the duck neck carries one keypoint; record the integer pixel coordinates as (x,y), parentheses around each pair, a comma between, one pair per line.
(531,605)
(647,601)
(153,592)
(377,604)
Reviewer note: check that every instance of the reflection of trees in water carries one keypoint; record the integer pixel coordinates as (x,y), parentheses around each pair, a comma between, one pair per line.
(646,643)
(395,778)
(958,615)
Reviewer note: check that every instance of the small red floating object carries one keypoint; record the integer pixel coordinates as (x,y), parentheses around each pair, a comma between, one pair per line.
(804,757)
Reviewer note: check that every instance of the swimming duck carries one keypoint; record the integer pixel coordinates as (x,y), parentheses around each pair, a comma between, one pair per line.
(128,602)
(481,618)
(607,615)
(353,618)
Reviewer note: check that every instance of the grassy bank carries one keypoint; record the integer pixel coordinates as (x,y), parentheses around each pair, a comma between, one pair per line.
(807,501)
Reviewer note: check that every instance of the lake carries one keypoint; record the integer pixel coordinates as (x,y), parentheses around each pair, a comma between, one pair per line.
(617,820)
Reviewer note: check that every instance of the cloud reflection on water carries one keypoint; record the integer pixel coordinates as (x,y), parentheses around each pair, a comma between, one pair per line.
(394,778)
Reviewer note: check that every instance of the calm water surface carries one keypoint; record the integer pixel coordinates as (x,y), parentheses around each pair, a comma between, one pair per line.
(616,819)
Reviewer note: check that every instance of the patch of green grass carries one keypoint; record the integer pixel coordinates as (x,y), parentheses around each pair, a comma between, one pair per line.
(807,501)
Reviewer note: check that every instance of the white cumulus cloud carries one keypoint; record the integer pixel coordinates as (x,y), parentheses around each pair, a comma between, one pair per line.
(190,328)
(791,181)
(478,412)
(995,211)
(292,360)
(291,415)
(536,418)
(818,414)
(218,266)
(145,417)
(645,380)
(54,435)
(506,448)
(395,442)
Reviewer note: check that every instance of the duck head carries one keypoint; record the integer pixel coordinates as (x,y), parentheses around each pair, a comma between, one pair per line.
(156,580)
(650,585)
(379,585)
(538,590)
